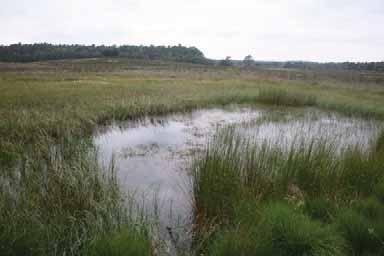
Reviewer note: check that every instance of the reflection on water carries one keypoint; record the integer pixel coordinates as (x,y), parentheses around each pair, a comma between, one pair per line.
(152,156)
(309,126)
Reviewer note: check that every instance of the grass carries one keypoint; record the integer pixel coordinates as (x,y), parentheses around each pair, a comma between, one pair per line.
(55,200)
(38,101)
(363,236)
(326,194)
(320,209)
(281,97)
(125,242)
(58,200)
(279,230)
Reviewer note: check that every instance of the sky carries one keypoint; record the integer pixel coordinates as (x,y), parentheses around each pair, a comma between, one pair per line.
(313,30)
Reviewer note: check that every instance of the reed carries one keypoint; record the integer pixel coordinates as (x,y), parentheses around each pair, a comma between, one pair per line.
(59,202)
(311,177)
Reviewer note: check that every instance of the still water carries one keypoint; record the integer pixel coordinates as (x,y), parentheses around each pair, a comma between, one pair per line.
(153,156)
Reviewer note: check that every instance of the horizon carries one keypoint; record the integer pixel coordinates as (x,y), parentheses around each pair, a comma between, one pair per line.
(297,30)
(232,59)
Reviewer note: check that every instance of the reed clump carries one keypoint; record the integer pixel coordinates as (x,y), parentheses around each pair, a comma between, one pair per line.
(331,198)
(59,202)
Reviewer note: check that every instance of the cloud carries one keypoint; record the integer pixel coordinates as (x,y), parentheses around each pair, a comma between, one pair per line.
(324,30)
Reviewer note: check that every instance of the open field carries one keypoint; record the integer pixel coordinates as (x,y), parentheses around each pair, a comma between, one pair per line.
(56,196)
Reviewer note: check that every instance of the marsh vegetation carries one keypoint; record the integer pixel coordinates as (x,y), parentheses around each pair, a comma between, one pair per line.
(309,196)
(311,186)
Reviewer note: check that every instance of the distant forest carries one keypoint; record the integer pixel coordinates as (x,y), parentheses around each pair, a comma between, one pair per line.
(44,51)
(312,66)
(355,66)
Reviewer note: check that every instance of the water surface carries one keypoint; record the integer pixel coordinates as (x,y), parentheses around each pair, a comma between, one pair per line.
(153,156)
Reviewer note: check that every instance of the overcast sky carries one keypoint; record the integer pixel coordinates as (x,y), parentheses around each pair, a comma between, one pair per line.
(318,30)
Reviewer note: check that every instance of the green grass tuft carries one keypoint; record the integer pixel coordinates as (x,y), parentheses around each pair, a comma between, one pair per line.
(126,242)
(361,233)
(280,97)
(280,231)
(320,209)
(378,191)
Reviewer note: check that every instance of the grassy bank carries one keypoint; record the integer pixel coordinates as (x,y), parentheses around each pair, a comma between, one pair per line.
(257,199)
(56,201)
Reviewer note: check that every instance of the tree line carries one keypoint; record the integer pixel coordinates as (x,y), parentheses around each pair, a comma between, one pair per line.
(248,61)
(353,66)
(44,51)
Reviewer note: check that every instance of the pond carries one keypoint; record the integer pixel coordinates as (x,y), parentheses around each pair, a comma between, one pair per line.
(152,156)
